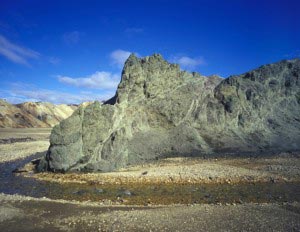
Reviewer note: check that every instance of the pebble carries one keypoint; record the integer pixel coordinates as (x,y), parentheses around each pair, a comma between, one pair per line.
(207,195)
(80,192)
(240,201)
(98,190)
(125,192)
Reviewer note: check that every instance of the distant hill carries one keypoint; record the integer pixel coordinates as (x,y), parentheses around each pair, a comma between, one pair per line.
(33,114)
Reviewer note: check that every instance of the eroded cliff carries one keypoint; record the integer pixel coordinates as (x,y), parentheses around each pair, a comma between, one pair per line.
(161,111)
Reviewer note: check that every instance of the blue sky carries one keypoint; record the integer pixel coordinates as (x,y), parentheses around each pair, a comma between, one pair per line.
(73,51)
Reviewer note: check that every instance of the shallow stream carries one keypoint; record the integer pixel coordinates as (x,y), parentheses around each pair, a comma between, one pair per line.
(145,194)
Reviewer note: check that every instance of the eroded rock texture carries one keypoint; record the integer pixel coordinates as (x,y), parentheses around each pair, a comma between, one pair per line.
(160,111)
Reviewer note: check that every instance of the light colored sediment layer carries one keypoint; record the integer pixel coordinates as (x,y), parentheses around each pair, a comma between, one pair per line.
(30,214)
(283,168)
(21,198)
(34,133)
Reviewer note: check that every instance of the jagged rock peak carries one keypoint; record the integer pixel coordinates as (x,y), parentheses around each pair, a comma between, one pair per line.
(149,77)
(134,59)
(131,60)
(148,63)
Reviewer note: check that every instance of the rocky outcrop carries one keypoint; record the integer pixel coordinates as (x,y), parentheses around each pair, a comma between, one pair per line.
(161,111)
(33,114)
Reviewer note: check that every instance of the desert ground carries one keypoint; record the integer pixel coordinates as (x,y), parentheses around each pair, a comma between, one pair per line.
(174,194)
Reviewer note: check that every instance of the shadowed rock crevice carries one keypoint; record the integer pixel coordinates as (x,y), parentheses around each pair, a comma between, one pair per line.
(161,111)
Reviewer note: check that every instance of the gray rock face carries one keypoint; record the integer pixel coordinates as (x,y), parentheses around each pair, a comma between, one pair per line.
(160,111)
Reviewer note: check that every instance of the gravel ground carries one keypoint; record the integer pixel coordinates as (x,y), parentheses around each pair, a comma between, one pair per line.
(282,168)
(18,150)
(28,214)
(13,151)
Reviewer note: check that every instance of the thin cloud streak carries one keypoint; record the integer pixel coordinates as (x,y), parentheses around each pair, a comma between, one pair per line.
(186,62)
(98,80)
(15,53)
(119,56)
(22,92)
(54,60)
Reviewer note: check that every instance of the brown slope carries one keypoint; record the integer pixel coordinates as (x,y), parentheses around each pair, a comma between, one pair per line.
(47,112)
(33,114)
(14,117)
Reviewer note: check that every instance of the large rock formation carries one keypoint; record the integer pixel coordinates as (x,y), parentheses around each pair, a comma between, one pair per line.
(160,111)
(33,114)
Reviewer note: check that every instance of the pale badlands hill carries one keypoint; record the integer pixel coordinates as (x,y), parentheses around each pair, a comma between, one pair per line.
(33,114)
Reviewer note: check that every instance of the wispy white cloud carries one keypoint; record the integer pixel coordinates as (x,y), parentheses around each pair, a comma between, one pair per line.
(118,57)
(21,92)
(186,62)
(54,60)
(98,80)
(71,38)
(16,53)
